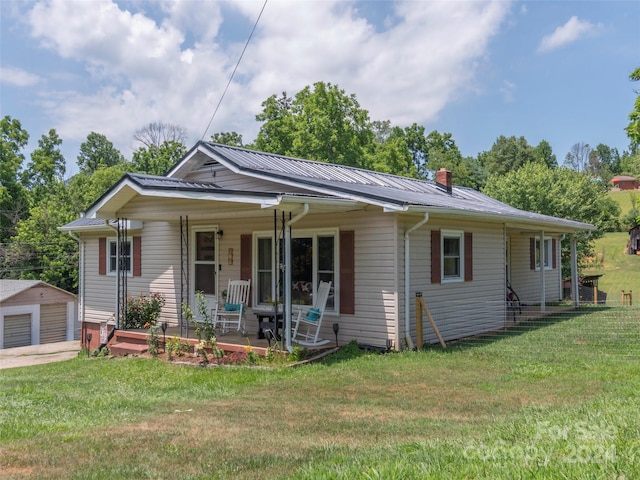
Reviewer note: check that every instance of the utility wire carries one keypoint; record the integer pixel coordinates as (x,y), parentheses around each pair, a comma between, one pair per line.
(234,70)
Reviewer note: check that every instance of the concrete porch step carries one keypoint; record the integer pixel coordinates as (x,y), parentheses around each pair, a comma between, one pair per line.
(127,348)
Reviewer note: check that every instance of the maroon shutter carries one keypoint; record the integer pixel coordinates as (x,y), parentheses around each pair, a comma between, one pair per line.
(102,256)
(554,256)
(347,272)
(435,256)
(532,253)
(137,256)
(245,258)
(468,257)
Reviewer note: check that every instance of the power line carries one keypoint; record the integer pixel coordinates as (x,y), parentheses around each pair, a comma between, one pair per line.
(234,70)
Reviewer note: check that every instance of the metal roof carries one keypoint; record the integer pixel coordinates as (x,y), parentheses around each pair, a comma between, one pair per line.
(375,187)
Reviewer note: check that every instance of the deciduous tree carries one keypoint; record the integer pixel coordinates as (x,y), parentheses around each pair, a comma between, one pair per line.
(158,160)
(97,152)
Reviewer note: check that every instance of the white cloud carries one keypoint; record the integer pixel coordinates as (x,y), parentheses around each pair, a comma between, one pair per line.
(508,88)
(567,33)
(18,77)
(172,64)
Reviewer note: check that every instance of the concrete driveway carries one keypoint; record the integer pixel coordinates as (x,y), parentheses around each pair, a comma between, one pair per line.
(38,354)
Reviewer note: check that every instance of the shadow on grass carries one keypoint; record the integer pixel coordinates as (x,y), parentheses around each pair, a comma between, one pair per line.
(515,330)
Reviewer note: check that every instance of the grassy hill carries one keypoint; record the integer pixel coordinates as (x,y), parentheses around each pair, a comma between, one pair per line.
(623,197)
(620,271)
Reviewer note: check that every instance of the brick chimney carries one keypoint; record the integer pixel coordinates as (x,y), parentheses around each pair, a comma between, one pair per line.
(443,179)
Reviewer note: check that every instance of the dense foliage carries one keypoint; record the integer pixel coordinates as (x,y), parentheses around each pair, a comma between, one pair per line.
(321,122)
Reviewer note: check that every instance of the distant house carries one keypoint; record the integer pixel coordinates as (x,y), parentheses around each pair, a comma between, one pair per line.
(633,247)
(624,182)
(287,224)
(33,312)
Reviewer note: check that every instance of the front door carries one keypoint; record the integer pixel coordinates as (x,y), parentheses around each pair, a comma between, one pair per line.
(205,268)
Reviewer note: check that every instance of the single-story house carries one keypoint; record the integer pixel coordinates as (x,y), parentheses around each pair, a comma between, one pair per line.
(287,224)
(33,312)
(625,182)
(633,247)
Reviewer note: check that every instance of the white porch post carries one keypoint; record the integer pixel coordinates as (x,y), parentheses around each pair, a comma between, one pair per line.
(575,293)
(543,297)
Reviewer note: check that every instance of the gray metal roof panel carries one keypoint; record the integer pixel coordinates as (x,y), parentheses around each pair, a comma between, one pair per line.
(355,182)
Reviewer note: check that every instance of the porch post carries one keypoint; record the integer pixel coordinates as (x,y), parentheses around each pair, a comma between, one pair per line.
(575,292)
(543,297)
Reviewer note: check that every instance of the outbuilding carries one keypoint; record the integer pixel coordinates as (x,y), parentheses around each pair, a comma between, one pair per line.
(33,312)
(625,182)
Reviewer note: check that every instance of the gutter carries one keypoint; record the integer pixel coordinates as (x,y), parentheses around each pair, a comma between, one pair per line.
(407,280)
(287,276)
(80,280)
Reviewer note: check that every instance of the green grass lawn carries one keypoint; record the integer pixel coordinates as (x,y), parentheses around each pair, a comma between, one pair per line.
(623,197)
(558,399)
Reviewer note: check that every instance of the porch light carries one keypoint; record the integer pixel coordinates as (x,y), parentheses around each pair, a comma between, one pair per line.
(219,233)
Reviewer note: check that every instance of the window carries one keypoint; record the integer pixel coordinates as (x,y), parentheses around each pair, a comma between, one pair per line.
(452,258)
(547,253)
(112,258)
(313,259)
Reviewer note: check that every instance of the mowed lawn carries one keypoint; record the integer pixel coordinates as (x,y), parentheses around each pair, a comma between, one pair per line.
(557,399)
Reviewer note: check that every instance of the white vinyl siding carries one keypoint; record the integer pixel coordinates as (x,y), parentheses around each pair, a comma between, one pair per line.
(459,309)
(525,281)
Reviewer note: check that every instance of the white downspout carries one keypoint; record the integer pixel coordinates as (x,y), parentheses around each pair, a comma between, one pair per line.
(543,296)
(407,280)
(80,279)
(575,288)
(287,276)
(106,222)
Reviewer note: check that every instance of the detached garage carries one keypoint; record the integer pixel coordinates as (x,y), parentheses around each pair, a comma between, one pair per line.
(33,312)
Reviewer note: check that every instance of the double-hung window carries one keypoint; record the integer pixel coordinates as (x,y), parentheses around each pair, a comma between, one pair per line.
(452,255)
(112,257)
(545,248)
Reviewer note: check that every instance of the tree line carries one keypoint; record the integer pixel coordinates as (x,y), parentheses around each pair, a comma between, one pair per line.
(321,122)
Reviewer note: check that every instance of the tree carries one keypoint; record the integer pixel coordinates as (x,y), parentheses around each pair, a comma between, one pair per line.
(633,129)
(544,154)
(157,133)
(560,192)
(39,251)
(233,139)
(323,123)
(391,154)
(158,160)
(507,154)
(97,152)
(630,164)
(442,152)
(14,202)
(604,162)
(46,168)
(578,157)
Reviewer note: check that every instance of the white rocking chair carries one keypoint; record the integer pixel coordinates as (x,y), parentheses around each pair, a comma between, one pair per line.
(232,313)
(306,327)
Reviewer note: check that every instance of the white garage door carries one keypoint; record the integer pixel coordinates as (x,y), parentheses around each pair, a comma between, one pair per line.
(17,330)
(53,323)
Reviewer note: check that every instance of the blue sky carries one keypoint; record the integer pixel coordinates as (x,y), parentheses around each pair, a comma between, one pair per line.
(545,70)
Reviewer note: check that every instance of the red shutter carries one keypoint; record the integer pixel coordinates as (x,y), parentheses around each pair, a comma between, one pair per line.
(102,256)
(137,256)
(347,272)
(435,256)
(468,257)
(532,253)
(245,258)
(554,256)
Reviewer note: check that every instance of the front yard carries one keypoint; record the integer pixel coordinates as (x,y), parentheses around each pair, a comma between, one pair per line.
(558,399)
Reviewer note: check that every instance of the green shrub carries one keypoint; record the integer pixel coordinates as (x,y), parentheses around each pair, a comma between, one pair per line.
(143,311)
